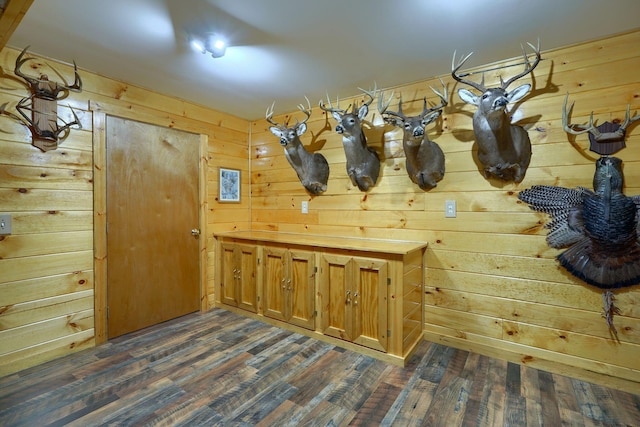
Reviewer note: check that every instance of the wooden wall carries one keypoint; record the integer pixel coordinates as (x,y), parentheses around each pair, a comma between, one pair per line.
(48,306)
(492,283)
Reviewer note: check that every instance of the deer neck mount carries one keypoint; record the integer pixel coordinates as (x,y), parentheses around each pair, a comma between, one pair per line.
(606,139)
(504,149)
(424,158)
(312,168)
(363,162)
(39,111)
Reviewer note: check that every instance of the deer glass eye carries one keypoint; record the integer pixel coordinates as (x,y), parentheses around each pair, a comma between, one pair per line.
(407,126)
(485,96)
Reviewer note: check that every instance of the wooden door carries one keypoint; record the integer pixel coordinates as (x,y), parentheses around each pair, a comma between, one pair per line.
(369,303)
(246,286)
(152,205)
(301,296)
(336,273)
(229,273)
(274,286)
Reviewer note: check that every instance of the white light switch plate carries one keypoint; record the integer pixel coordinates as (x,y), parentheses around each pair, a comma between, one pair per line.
(304,207)
(5,224)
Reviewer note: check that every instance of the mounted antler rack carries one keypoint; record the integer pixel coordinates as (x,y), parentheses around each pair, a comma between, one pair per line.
(39,111)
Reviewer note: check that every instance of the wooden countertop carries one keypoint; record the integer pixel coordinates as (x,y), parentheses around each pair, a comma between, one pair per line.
(350,243)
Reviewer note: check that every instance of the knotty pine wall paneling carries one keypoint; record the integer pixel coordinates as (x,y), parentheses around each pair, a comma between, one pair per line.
(52,267)
(492,283)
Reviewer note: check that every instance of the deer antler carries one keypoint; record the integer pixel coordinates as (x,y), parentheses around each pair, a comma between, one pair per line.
(49,94)
(370,94)
(19,63)
(591,127)
(269,115)
(382,108)
(454,73)
(443,100)
(305,110)
(331,108)
(528,67)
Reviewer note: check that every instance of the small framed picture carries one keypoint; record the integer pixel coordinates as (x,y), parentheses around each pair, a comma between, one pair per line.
(229,185)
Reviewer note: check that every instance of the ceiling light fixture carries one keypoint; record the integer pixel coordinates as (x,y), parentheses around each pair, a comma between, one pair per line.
(213,43)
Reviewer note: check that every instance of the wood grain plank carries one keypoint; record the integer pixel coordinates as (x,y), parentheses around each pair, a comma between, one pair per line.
(200,369)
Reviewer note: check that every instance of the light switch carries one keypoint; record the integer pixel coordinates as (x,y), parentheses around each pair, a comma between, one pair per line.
(304,207)
(5,224)
(450,209)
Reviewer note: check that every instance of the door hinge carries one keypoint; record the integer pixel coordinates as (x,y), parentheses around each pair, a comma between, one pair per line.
(315,269)
(388,281)
(315,313)
(107,312)
(388,333)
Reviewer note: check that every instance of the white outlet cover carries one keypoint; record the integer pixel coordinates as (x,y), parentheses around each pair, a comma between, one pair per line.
(450,209)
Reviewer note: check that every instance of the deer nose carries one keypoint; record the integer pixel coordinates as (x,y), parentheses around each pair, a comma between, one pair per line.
(500,102)
(418,132)
(283,141)
(339,129)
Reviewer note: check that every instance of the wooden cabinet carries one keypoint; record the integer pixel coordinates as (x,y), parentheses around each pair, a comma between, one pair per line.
(353,294)
(238,275)
(362,294)
(288,285)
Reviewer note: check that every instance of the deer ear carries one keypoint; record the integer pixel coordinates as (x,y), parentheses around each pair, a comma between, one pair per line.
(431,117)
(302,128)
(468,97)
(518,93)
(362,112)
(274,130)
(336,116)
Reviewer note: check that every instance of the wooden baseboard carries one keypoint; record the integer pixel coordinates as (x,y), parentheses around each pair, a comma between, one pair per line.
(535,358)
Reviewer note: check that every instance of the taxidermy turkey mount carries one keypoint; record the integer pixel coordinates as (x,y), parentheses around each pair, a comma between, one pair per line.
(599,228)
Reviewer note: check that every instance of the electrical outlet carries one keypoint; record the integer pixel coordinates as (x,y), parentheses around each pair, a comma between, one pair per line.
(450,209)
(304,207)
(5,224)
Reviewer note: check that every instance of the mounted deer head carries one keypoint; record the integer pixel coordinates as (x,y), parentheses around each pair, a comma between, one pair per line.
(608,138)
(312,168)
(363,163)
(504,150)
(424,158)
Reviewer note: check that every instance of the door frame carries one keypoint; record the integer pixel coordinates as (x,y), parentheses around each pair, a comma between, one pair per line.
(151,117)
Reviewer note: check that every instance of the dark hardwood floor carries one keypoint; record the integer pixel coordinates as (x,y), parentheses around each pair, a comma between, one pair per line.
(219,368)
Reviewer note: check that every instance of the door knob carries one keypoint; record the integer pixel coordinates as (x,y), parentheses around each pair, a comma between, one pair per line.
(195,232)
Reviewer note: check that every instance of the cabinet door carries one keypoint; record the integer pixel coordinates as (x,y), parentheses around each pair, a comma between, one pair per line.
(369,302)
(229,275)
(274,285)
(336,274)
(301,289)
(246,284)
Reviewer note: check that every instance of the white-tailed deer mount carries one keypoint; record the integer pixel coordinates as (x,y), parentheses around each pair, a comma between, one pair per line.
(424,158)
(608,138)
(504,149)
(312,168)
(363,163)
(42,106)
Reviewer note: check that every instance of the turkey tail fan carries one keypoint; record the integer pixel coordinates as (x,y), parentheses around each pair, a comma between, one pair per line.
(598,269)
